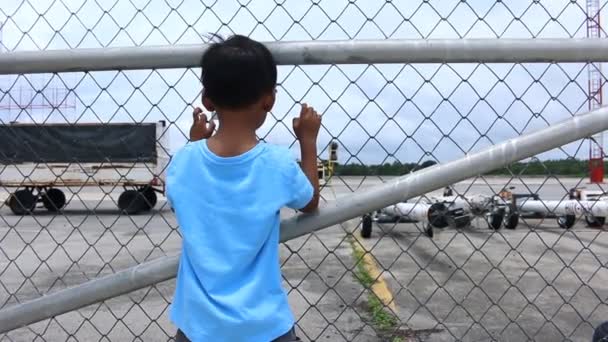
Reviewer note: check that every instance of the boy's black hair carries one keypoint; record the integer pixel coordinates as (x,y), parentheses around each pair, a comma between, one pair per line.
(237,72)
(601,333)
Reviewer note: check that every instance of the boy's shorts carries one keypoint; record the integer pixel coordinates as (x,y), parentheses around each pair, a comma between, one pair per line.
(290,336)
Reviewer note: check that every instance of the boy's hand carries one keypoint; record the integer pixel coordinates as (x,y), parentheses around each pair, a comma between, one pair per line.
(306,127)
(200,130)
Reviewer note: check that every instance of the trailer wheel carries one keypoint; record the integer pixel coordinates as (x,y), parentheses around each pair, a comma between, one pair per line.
(566,222)
(53,200)
(595,221)
(495,221)
(511,219)
(22,202)
(131,202)
(438,215)
(429,231)
(150,198)
(366,227)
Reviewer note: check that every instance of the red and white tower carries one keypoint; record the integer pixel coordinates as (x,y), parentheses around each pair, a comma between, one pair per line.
(596,143)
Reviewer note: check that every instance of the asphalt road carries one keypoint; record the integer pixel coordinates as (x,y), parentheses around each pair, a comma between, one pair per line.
(536,282)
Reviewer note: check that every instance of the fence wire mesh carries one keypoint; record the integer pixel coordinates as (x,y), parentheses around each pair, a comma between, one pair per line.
(470,281)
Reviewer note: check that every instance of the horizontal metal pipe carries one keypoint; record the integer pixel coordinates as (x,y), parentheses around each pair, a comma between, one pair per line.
(355,205)
(413,211)
(476,204)
(317,52)
(566,207)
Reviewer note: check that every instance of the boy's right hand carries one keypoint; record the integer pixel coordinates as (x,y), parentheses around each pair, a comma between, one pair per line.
(306,127)
(200,129)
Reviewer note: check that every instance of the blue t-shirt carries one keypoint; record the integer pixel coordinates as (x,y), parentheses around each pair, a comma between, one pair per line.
(228,286)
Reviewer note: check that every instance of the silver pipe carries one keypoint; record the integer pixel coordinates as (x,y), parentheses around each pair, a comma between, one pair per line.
(546,50)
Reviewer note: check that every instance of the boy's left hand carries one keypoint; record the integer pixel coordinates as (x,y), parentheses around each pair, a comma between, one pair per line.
(200,128)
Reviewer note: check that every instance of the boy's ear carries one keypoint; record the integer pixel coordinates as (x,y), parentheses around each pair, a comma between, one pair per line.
(269,101)
(208,104)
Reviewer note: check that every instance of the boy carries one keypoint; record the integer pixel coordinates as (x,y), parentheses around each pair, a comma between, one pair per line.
(227,191)
(600,334)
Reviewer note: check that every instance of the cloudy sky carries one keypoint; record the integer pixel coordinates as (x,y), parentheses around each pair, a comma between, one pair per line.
(378,113)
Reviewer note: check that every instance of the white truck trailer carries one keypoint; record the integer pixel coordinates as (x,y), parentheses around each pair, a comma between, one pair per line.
(37,161)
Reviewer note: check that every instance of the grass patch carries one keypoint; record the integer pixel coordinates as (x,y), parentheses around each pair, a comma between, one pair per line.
(381,318)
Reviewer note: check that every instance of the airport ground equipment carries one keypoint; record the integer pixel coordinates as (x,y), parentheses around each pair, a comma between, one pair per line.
(40,161)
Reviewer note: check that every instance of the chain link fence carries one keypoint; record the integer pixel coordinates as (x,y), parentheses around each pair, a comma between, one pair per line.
(498,265)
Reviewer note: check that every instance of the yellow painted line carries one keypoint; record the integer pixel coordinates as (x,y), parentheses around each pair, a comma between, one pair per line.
(380,287)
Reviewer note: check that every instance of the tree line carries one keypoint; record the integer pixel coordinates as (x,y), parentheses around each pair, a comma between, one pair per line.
(562,167)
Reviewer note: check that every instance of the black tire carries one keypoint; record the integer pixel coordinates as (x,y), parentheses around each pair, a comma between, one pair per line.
(366,227)
(495,221)
(22,202)
(566,222)
(131,202)
(511,218)
(429,231)
(511,221)
(438,215)
(53,200)
(150,198)
(595,221)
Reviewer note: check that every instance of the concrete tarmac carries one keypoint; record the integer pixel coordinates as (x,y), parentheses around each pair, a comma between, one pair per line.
(537,282)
